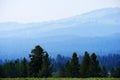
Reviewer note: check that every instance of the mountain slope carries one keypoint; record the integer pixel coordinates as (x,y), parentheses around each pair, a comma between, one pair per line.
(96,31)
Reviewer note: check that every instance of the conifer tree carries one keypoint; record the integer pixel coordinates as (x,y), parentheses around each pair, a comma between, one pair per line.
(94,67)
(1,71)
(75,65)
(24,68)
(46,67)
(36,61)
(68,72)
(84,68)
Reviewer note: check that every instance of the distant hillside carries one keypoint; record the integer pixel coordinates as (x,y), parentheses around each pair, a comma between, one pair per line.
(97,31)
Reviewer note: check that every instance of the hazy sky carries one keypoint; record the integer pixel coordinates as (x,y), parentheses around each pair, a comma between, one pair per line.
(27,11)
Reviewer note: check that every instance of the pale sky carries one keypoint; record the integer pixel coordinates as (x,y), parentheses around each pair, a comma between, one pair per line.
(28,11)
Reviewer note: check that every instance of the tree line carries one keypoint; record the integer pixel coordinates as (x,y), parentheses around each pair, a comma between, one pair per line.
(41,65)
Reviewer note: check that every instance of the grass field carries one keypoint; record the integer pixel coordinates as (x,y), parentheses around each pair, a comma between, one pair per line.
(59,78)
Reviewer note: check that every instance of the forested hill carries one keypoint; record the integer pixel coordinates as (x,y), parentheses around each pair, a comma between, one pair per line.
(41,65)
(109,61)
(96,31)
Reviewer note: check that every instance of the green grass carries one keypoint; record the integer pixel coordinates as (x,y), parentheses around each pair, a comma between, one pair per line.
(59,78)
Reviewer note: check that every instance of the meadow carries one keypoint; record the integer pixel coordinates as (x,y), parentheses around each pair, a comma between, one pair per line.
(59,78)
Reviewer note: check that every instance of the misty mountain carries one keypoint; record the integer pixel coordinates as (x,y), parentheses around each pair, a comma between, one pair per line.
(96,31)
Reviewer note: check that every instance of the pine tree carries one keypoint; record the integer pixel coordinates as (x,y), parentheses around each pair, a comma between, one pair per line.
(75,65)
(84,68)
(68,72)
(36,61)
(46,67)
(1,71)
(94,67)
(24,68)
(17,68)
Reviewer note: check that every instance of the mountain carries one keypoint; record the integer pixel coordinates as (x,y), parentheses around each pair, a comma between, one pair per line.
(96,31)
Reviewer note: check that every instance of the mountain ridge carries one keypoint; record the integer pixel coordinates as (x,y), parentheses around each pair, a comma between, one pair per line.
(95,33)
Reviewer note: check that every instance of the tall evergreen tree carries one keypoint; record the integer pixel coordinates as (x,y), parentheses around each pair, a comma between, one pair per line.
(94,67)
(24,68)
(84,68)
(46,69)
(17,68)
(75,65)
(1,71)
(36,61)
(68,72)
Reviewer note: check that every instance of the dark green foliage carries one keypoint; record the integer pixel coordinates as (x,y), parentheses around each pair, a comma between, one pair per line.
(75,65)
(115,72)
(59,62)
(40,66)
(62,72)
(1,71)
(46,67)
(90,66)
(36,61)
(72,67)
(17,67)
(12,69)
(84,68)
(109,61)
(94,67)
(24,68)
(112,72)
(68,72)
(55,74)
(104,72)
